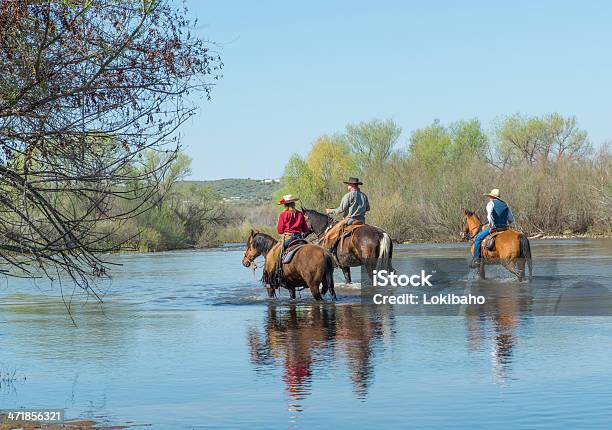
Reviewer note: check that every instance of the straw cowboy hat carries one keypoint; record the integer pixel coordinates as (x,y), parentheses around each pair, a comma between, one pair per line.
(287,198)
(353,181)
(494,193)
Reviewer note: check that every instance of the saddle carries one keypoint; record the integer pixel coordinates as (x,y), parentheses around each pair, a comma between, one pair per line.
(489,242)
(292,249)
(273,266)
(338,232)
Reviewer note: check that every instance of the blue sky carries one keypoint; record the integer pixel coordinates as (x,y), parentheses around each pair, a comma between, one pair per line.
(294,71)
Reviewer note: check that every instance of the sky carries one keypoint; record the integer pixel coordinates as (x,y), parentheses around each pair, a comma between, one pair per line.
(294,71)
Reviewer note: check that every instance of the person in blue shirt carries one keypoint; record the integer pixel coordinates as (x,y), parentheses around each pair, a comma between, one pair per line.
(499,216)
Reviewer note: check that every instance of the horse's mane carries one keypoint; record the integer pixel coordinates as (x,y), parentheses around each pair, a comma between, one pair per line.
(469,213)
(263,242)
(321,219)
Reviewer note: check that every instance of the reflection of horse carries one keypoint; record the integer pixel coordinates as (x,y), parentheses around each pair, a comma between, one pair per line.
(310,266)
(502,309)
(367,245)
(304,338)
(512,249)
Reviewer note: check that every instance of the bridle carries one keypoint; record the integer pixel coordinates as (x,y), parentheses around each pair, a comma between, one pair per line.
(251,259)
(470,236)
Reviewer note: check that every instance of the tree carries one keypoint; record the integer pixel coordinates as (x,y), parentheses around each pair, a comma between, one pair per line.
(468,139)
(564,139)
(372,142)
(318,178)
(430,145)
(86,88)
(532,139)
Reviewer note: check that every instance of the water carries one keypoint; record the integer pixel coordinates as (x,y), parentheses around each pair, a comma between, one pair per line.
(190,340)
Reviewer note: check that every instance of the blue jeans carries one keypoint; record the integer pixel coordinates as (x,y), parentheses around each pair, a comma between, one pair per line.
(293,237)
(351,221)
(478,240)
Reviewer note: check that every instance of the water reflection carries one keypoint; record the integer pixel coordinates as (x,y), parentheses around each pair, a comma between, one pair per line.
(497,322)
(310,339)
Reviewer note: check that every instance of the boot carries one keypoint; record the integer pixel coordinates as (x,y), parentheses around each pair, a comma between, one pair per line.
(475,263)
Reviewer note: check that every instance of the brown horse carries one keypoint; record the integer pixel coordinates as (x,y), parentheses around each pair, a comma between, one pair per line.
(311,265)
(368,245)
(512,249)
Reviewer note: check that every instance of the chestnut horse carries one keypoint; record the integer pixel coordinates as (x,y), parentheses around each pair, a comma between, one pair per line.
(368,245)
(311,265)
(512,249)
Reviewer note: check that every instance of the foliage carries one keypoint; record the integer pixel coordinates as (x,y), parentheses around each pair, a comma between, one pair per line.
(544,167)
(317,179)
(372,142)
(91,96)
(533,139)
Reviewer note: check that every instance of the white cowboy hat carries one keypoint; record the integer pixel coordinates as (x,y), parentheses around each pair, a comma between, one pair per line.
(287,198)
(493,193)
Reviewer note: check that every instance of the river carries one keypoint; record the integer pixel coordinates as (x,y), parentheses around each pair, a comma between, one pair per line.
(190,340)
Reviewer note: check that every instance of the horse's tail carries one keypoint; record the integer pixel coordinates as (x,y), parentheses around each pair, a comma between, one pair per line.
(385,253)
(525,249)
(328,278)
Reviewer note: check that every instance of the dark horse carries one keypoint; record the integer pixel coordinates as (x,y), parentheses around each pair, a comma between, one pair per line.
(512,248)
(311,265)
(368,245)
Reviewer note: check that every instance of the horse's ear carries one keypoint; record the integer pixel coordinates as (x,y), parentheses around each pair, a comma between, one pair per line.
(465,211)
(252,233)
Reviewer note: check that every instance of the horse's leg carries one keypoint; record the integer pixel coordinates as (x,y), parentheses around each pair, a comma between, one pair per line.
(292,293)
(328,284)
(314,289)
(324,286)
(270,292)
(481,269)
(520,269)
(347,274)
(513,267)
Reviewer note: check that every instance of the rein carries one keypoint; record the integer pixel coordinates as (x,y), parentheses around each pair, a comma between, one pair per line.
(478,230)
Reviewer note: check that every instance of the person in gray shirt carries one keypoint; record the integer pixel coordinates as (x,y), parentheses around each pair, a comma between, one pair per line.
(353,205)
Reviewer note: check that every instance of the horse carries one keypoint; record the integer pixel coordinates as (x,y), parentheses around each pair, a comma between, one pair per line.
(368,245)
(310,266)
(512,248)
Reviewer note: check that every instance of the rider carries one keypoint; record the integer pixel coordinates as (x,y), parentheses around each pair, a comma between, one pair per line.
(499,216)
(291,222)
(353,205)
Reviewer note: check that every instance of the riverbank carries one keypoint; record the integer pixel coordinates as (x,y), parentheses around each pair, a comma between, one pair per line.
(231,245)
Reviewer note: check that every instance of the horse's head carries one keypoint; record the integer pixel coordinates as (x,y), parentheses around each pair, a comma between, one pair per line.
(250,253)
(257,244)
(316,221)
(471,224)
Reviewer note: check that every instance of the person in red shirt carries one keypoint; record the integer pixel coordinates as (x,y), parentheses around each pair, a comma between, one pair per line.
(291,222)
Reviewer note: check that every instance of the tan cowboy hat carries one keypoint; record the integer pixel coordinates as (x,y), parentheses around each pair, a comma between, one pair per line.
(353,181)
(287,198)
(494,193)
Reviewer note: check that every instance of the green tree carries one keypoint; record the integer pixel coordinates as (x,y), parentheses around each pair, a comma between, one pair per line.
(317,179)
(372,142)
(524,139)
(430,145)
(468,139)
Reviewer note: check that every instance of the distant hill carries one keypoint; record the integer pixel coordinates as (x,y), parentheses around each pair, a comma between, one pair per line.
(243,191)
